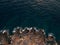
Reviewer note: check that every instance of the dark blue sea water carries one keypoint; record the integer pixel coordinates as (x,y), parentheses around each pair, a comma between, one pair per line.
(38,13)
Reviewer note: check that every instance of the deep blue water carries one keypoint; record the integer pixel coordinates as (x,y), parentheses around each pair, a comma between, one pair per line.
(40,14)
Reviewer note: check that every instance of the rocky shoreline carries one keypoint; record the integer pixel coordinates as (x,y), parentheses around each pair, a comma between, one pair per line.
(27,36)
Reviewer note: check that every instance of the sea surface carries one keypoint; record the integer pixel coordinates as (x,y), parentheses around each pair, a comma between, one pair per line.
(31,13)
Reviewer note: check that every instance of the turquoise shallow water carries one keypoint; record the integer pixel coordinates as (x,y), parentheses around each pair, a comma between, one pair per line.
(37,13)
